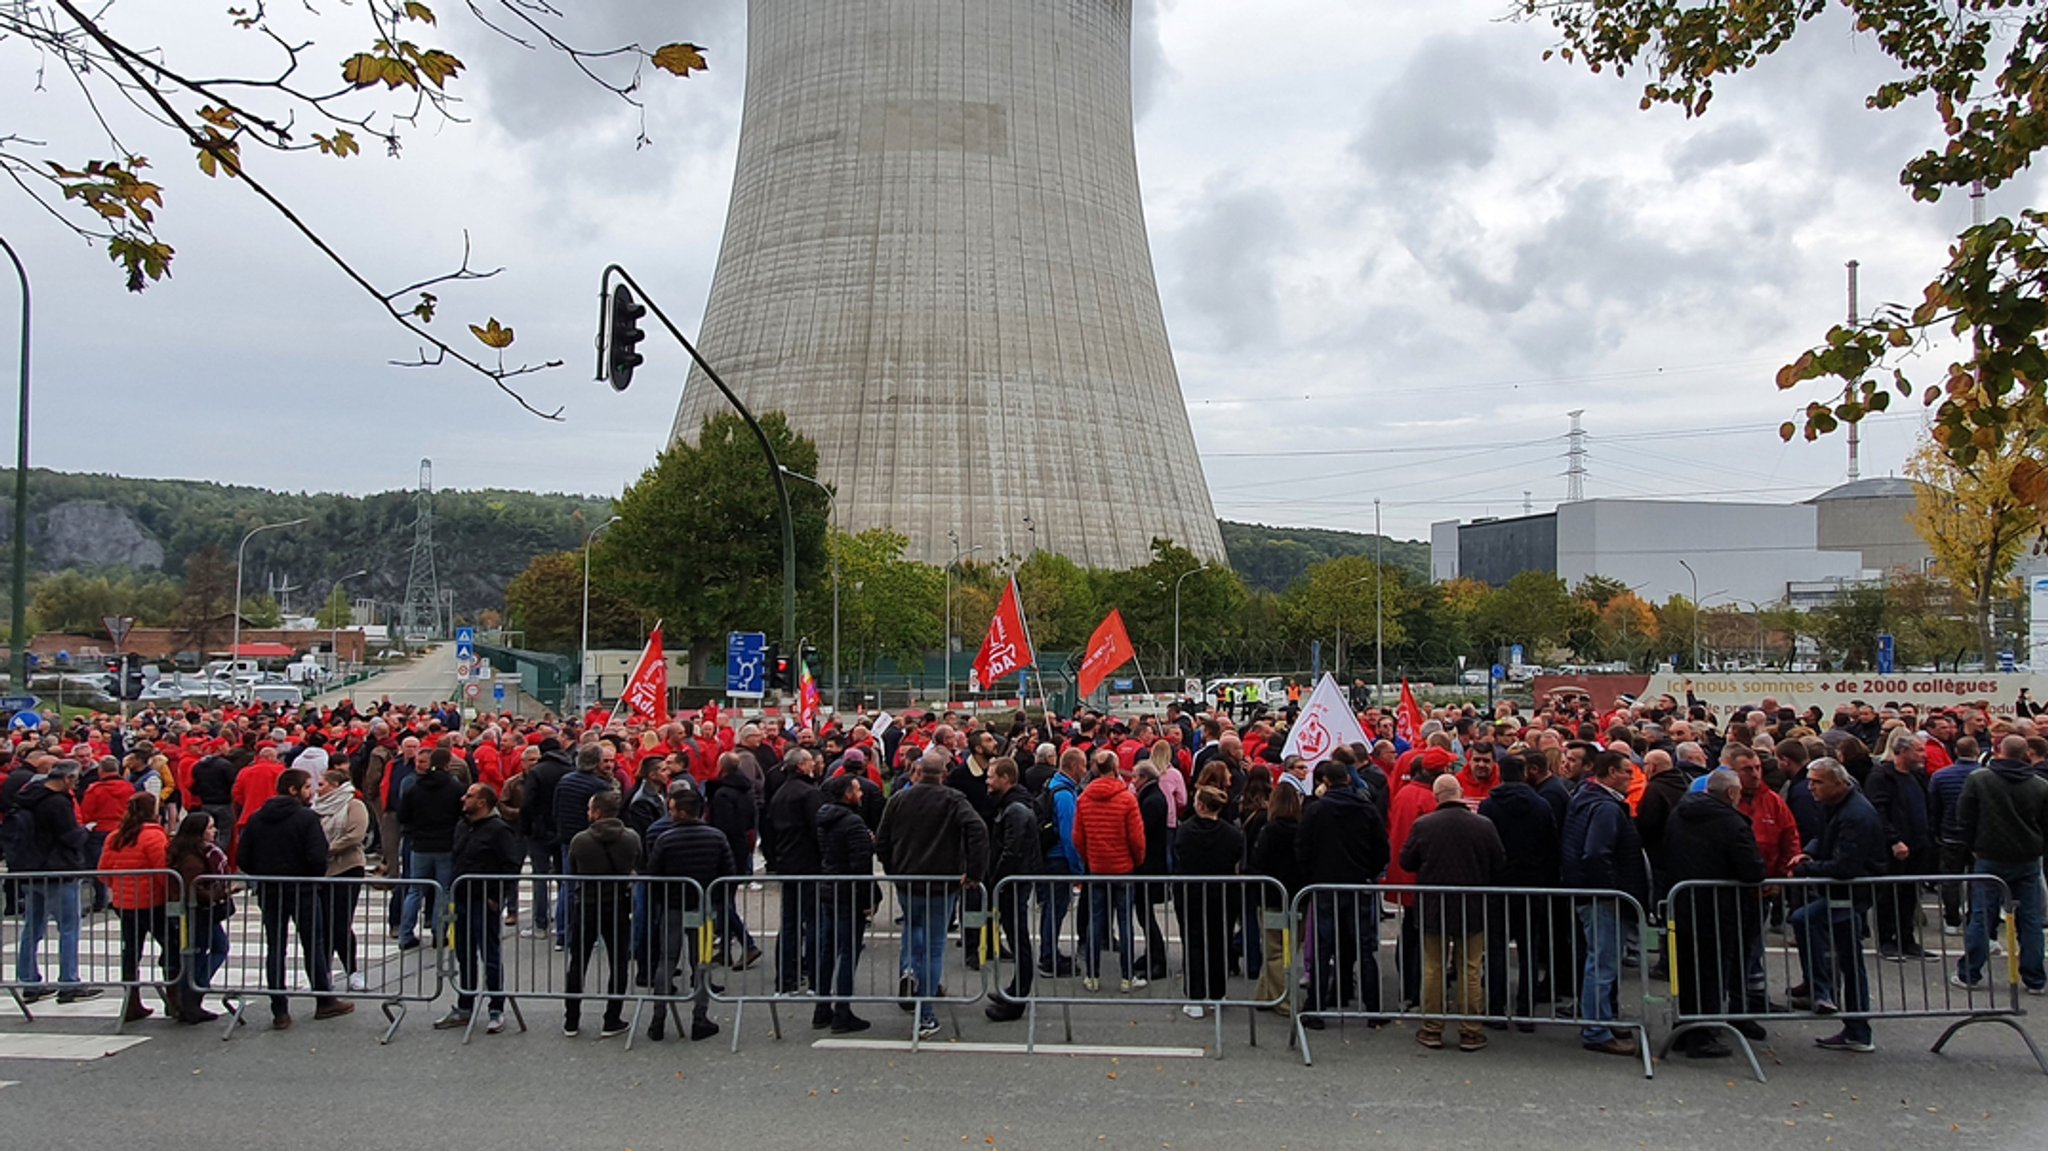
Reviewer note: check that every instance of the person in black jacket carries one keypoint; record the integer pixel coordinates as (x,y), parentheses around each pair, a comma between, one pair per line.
(213,789)
(1829,928)
(600,909)
(537,824)
(53,841)
(1342,841)
(1152,811)
(1528,834)
(693,850)
(1013,851)
(1714,928)
(1273,856)
(790,843)
(428,815)
(483,845)
(728,802)
(1205,846)
(1453,847)
(1898,790)
(281,842)
(845,848)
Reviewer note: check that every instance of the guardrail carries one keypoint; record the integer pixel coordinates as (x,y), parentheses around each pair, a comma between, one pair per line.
(1450,962)
(815,934)
(1198,943)
(47,928)
(1725,978)
(300,927)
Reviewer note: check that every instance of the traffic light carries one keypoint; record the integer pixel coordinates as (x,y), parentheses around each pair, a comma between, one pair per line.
(623,336)
(779,678)
(809,652)
(131,676)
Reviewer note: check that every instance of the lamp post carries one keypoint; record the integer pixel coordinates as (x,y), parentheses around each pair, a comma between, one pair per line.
(959,553)
(235,645)
(1379,604)
(583,646)
(334,639)
(1178,673)
(832,504)
(1695,613)
(19,633)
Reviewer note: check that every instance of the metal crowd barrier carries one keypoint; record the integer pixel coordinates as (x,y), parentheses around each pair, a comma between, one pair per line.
(1473,958)
(1199,943)
(329,939)
(840,942)
(107,949)
(1857,950)
(645,929)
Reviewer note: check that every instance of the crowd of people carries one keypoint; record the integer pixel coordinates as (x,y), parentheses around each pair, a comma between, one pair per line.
(255,804)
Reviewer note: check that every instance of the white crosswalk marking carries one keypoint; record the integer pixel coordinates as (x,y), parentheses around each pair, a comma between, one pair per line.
(68,1048)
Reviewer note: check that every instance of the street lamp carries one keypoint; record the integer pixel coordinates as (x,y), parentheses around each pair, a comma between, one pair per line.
(583,648)
(1178,673)
(334,640)
(19,633)
(832,504)
(1695,613)
(959,553)
(1379,604)
(235,645)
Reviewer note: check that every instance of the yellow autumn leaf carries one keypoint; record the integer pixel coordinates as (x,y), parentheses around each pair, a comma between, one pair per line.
(681,59)
(493,334)
(414,10)
(362,70)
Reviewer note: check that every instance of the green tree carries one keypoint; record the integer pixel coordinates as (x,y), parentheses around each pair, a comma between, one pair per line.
(1356,597)
(699,537)
(1533,609)
(1678,629)
(1931,621)
(1847,629)
(205,614)
(261,611)
(239,97)
(546,603)
(1059,601)
(335,612)
(1977,67)
(80,601)
(1626,629)
(890,606)
(1974,524)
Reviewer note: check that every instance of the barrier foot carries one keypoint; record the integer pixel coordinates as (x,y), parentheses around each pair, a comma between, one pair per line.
(21,1005)
(1217,1051)
(739,1012)
(1067,1018)
(1301,1039)
(1643,1049)
(1031,1028)
(234,1017)
(2026,1038)
(469,1028)
(1252,1020)
(394,1013)
(775,1020)
(953,1013)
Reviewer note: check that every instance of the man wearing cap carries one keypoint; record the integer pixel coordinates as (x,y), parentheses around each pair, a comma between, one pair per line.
(54,842)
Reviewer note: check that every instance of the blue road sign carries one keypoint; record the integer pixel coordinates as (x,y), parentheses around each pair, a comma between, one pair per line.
(746,660)
(465,644)
(1885,654)
(498,692)
(1499,672)
(19,703)
(1515,656)
(34,661)
(1121,684)
(2007,663)
(25,721)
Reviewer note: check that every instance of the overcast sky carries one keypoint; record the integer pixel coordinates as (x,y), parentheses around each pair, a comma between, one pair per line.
(1395,248)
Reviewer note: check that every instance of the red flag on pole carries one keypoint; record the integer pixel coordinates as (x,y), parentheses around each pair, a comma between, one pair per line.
(1408,720)
(1008,646)
(1108,649)
(646,694)
(806,693)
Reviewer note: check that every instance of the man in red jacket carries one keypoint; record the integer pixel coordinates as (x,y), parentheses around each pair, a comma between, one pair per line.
(1109,838)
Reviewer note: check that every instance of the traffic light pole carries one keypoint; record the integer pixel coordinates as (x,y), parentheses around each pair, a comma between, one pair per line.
(767,449)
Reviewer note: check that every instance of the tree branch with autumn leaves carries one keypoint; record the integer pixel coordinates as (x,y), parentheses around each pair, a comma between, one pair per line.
(236,125)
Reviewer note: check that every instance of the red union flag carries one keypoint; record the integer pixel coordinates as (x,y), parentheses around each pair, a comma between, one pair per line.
(1008,646)
(1408,720)
(1108,649)
(806,694)
(646,694)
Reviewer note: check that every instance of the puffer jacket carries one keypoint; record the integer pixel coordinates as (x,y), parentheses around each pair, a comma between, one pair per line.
(607,847)
(1109,833)
(1602,850)
(149,852)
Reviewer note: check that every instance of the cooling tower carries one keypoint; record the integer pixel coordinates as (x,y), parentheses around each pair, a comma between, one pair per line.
(935,262)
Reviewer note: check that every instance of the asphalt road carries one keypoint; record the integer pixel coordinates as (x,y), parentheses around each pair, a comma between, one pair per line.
(428,679)
(330,1085)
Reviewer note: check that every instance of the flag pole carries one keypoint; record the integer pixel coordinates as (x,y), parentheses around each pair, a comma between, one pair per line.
(644,649)
(1024,698)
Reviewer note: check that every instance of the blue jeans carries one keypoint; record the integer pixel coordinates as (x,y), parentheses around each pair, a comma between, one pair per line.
(1102,897)
(42,899)
(840,925)
(438,866)
(925,915)
(209,955)
(1830,940)
(1600,983)
(1053,901)
(2024,881)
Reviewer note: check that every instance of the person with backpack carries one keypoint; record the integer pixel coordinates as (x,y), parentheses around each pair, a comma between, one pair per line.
(1014,849)
(1053,810)
(42,835)
(2003,811)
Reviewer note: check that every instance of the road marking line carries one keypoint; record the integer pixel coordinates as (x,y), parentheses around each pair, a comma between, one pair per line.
(1011,1048)
(4,1083)
(76,1048)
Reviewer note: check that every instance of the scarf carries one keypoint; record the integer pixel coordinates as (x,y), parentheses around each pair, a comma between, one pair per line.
(332,807)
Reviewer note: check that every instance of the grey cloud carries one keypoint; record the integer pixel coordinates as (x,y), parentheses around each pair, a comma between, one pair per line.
(1447,108)
(1224,264)
(1150,71)
(1727,145)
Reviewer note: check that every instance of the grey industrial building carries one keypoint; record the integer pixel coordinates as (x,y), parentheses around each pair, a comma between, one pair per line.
(1754,553)
(935,262)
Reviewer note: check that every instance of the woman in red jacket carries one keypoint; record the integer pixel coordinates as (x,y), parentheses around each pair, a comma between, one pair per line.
(140,845)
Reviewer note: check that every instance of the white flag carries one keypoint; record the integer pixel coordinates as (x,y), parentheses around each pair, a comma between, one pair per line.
(1325,722)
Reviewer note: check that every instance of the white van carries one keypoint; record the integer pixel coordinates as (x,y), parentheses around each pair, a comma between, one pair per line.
(288,694)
